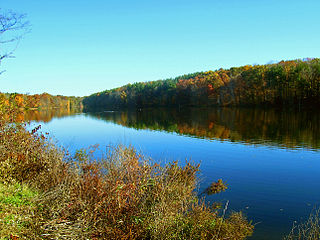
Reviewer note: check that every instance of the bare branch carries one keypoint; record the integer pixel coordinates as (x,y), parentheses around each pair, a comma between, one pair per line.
(13,26)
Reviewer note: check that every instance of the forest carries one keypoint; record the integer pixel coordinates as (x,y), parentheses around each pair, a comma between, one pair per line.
(40,101)
(294,83)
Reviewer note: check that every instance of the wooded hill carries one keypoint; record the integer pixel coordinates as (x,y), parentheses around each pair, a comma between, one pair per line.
(287,83)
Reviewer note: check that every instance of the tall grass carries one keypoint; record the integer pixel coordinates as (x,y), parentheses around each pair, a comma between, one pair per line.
(124,195)
(309,230)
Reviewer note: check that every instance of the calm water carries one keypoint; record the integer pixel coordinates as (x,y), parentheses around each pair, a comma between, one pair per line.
(269,159)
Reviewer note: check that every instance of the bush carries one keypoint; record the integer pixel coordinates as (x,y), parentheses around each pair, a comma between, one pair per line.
(121,196)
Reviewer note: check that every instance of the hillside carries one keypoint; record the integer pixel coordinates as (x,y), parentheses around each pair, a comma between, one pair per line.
(287,83)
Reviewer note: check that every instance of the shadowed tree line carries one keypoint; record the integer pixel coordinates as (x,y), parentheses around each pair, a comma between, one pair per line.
(287,83)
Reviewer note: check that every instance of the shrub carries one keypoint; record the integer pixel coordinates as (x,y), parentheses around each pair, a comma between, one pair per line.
(127,196)
(124,195)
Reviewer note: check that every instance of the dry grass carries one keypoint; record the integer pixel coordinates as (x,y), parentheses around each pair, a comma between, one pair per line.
(309,230)
(122,196)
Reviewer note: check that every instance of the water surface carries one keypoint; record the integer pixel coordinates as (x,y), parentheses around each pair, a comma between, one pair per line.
(270,159)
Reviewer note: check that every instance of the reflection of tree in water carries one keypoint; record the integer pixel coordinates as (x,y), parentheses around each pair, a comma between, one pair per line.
(255,126)
(47,115)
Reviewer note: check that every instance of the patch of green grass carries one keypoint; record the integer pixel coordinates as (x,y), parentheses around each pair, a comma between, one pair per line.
(16,209)
(16,195)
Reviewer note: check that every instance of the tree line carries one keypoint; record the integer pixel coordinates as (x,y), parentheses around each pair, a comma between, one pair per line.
(40,101)
(286,83)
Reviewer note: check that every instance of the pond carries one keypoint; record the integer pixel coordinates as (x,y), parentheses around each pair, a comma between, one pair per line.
(270,159)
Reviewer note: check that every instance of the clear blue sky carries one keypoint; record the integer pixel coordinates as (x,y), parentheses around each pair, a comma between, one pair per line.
(79,47)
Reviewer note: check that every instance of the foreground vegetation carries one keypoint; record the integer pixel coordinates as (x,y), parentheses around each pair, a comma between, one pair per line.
(287,83)
(16,210)
(45,193)
(309,230)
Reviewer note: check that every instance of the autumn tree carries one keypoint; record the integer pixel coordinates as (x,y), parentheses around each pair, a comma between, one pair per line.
(292,83)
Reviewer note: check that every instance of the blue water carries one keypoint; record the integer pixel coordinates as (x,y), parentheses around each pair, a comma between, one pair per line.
(273,178)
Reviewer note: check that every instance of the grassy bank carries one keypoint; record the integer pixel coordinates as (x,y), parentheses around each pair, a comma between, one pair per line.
(45,193)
